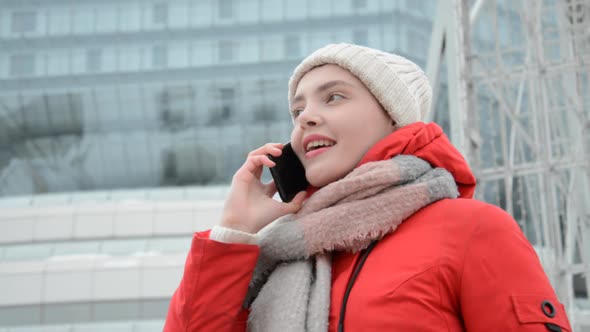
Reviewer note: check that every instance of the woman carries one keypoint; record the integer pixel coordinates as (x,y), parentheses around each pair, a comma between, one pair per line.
(388,237)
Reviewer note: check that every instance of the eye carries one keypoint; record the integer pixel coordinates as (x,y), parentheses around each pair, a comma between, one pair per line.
(334,97)
(295,113)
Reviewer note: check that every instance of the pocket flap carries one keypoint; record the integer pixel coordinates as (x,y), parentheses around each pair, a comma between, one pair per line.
(540,309)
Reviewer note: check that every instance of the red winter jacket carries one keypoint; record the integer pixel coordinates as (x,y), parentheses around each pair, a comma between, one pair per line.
(456,265)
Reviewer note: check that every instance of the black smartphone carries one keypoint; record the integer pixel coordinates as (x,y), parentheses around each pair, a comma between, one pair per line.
(288,174)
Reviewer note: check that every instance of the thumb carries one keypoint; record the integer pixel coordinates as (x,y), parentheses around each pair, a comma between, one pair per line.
(296,203)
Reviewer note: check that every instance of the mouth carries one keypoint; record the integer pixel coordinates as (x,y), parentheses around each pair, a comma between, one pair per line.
(317,144)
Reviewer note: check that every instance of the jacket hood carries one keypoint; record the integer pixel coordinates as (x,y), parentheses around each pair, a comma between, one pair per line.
(428,142)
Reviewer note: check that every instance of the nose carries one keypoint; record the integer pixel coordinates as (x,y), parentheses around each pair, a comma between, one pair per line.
(309,118)
(311,123)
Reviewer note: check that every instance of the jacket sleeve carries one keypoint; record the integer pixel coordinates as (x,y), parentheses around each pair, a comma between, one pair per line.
(503,285)
(213,287)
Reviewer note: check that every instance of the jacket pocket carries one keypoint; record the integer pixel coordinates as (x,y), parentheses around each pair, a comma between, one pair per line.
(541,309)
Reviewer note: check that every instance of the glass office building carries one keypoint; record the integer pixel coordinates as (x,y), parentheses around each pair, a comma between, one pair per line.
(129,94)
(121,124)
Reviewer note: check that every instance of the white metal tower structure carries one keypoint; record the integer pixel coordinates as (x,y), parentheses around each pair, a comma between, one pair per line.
(519,99)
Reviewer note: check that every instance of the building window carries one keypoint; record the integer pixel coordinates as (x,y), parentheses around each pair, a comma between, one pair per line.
(225,109)
(227,96)
(226,51)
(226,8)
(359,4)
(360,37)
(93,60)
(265,112)
(415,6)
(292,46)
(22,65)
(175,104)
(418,43)
(160,13)
(160,56)
(169,166)
(24,21)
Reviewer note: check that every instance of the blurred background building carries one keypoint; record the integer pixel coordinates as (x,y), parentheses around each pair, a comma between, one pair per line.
(122,122)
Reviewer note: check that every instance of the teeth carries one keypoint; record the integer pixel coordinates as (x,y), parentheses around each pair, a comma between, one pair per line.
(318,143)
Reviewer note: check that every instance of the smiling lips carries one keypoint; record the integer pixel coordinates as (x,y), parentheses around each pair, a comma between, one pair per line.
(317,144)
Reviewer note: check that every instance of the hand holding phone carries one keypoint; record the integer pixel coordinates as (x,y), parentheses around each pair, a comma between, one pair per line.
(288,174)
(249,205)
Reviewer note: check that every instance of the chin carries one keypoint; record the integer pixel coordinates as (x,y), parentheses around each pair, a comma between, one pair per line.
(321,178)
(317,183)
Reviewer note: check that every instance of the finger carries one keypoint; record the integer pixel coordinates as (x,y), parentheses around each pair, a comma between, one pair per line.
(299,198)
(296,203)
(274,149)
(258,173)
(270,189)
(254,164)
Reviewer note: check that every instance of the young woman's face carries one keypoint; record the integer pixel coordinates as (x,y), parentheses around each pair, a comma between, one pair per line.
(337,120)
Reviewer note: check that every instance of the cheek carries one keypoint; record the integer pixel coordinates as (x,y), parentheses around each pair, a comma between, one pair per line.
(360,140)
(296,143)
(356,135)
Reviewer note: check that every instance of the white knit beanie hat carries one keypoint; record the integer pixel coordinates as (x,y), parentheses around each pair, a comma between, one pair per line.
(397,83)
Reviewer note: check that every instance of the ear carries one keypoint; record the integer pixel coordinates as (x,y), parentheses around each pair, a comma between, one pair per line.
(393,125)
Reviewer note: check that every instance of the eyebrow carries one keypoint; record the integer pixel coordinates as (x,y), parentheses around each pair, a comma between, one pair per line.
(323,88)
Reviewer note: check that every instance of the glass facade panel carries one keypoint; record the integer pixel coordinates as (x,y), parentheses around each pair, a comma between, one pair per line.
(66,313)
(76,248)
(160,13)
(22,65)
(22,315)
(295,9)
(418,42)
(129,59)
(24,21)
(320,8)
(168,245)
(247,11)
(292,46)
(226,9)
(159,56)
(83,20)
(226,51)
(26,252)
(153,308)
(359,4)
(271,10)
(57,63)
(93,60)
(107,19)
(360,37)
(58,21)
(127,247)
(116,311)
(129,17)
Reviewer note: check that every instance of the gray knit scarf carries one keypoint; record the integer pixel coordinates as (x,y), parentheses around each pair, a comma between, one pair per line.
(290,289)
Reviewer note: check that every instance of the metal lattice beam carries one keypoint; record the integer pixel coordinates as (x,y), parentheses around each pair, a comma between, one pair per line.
(518,75)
